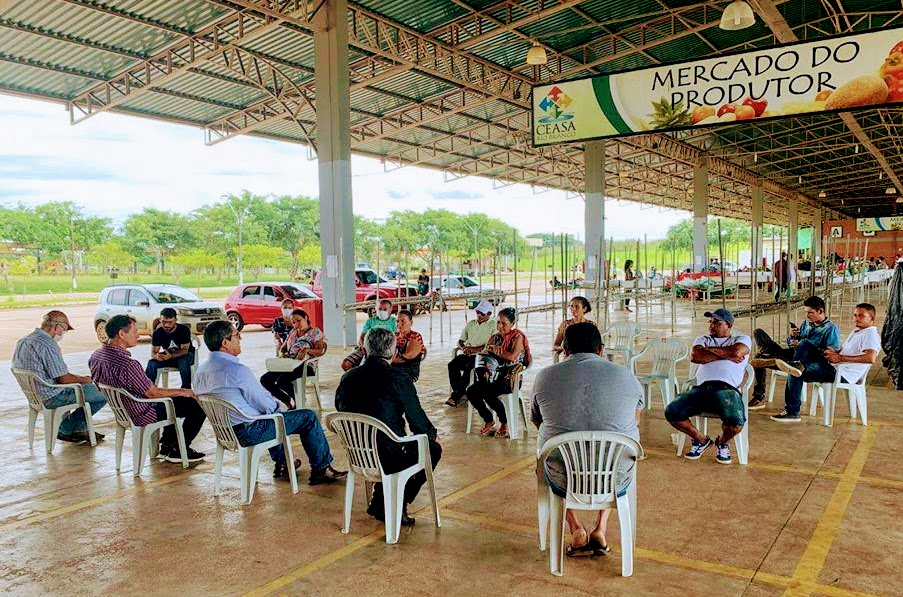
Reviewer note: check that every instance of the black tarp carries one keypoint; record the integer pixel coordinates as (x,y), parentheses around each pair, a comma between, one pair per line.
(892,333)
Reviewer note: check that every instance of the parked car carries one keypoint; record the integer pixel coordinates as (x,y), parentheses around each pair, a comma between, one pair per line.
(393,273)
(365,288)
(259,303)
(145,301)
(456,286)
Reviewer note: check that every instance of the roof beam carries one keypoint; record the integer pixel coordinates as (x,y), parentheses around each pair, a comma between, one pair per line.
(217,39)
(783,33)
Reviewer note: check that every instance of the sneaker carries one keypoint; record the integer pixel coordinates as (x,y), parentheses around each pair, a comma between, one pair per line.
(723,453)
(73,438)
(757,403)
(794,368)
(762,362)
(786,417)
(698,449)
(174,455)
(327,475)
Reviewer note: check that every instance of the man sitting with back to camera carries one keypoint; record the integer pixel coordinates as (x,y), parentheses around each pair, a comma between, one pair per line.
(171,347)
(586,392)
(722,358)
(112,365)
(817,330)
(387,393)
(226,377)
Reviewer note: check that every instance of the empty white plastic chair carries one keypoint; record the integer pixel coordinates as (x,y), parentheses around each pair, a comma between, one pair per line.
(620,339)
(162,380)
(515,409)
(53,417)
(701,422)
(145,439)
(591,460)
(358,435)
(665,354)
(217,411)
(827,395)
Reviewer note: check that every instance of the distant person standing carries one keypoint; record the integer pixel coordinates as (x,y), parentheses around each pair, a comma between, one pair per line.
(628,277)
(781,272)
(423,282)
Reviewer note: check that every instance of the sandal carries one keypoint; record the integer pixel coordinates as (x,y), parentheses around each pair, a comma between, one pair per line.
(599,549)
(502,431)
(580,552)
(488,430)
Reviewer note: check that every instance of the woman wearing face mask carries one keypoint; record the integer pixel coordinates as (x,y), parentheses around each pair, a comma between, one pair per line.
(282,326)
(409,347)
(509,346)
(303,342)
(381,319)
(578,307)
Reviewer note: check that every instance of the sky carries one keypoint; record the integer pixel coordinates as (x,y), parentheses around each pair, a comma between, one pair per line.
(115,165)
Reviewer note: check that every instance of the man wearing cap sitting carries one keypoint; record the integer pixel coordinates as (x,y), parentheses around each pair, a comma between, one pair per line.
(721,358)
(39,352)
(473,339)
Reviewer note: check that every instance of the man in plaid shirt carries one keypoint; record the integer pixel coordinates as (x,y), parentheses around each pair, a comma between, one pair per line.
(112,364)
(39,352)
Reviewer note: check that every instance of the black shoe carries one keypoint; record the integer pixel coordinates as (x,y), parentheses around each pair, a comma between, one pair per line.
(174,455)
(280,471)
(786,417)
(453,400)
(327,475)
(375,509)
(87,437)
(73,438)
(406,519)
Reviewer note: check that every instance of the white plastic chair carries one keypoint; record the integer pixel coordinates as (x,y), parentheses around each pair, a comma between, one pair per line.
(515,409)
(827,395)
(741,440)
(775,374)
(620,339)
(145,439)
(591,460)
(162,380)
(284,364)
(358,435)
(665,354)
(217,411)
(53,417)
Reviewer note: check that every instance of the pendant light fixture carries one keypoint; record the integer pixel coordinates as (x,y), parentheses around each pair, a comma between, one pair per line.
(737,15)
(536,54)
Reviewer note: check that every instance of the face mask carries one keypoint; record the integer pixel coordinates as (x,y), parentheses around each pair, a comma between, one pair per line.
(58,339)
(286,312)
(383,315)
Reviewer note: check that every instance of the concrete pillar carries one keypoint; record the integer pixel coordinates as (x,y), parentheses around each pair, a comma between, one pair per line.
(793,245)
(700,215)
(594,211)
(334,159)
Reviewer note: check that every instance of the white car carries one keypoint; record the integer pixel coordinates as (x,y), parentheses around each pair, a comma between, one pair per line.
(456,286)
(145,301)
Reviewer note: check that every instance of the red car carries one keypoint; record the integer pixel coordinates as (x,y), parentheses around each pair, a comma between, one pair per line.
(261,302)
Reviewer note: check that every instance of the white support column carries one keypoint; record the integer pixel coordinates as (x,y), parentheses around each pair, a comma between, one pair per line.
(594,211)
(793,244)
(334,158)
(758,219)
(700,215)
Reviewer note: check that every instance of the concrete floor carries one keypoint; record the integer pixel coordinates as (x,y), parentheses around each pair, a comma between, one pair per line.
(816,511)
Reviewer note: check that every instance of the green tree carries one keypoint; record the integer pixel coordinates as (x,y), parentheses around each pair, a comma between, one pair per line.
(257,257)
(108,254)
(75,231)
(157,234)
(289,222)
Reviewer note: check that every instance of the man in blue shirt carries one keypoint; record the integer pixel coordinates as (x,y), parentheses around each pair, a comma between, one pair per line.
(817,330)
(224,375)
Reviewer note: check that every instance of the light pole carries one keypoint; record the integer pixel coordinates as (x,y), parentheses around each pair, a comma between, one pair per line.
(240,221)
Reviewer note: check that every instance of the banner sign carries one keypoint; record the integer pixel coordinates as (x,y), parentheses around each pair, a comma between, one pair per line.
(877,224)
(839,73)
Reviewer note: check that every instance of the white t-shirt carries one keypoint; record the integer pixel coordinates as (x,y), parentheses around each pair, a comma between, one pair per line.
(722,369)
(856,344)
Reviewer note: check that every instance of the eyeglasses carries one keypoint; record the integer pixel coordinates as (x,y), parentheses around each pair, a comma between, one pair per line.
(235,335)
(65,323)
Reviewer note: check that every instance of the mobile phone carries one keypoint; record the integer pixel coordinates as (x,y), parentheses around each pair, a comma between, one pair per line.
(792,325)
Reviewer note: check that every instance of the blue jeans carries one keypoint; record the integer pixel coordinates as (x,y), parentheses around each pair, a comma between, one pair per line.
(183,364)
(304,423)
(817,368)
(74,421)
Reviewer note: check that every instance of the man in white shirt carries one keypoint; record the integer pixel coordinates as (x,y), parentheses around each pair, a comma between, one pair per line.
(473,339)
(722,359)
(857,353)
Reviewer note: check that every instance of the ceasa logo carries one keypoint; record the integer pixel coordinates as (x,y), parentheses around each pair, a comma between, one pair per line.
(556,123)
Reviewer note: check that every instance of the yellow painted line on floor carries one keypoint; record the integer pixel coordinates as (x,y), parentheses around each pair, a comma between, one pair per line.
(819,545)
(660,557)
(103,499)
(380,533)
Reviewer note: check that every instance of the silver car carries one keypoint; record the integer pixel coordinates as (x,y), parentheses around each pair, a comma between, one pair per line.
(145,301)
(456,286)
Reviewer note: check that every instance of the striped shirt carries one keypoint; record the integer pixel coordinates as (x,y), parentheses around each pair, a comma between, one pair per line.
(38,353)
(114,366)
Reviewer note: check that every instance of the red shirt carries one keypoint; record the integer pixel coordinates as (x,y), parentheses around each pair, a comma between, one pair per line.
(114,366)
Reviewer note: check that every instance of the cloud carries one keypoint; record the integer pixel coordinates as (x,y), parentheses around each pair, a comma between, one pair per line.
(456,195)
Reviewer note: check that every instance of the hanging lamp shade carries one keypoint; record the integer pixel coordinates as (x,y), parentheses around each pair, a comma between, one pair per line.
(536,54)
(737,15)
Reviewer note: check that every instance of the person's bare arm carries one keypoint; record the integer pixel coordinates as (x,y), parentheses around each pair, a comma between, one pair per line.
(155,392)
(508,355)
(317,350)
(702,355)
(868,357)
(734,353)
(559,339)
(72,378)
